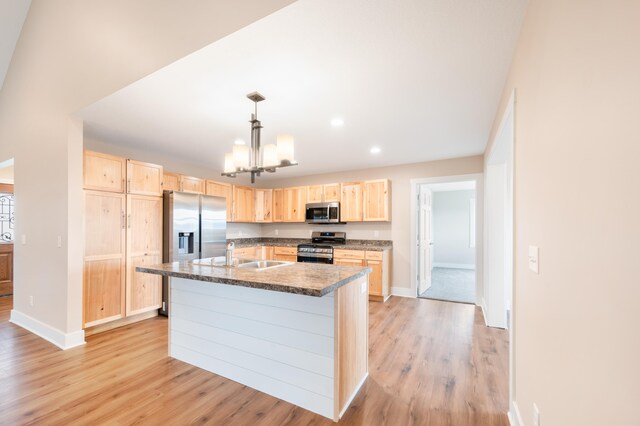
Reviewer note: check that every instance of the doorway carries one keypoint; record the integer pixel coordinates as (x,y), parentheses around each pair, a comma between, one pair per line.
(447,241)
(7,232)
(446,222)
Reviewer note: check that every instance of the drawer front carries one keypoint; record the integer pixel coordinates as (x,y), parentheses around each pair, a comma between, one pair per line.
(348,254)
(287,251)
(348,262)
(245,252)
(374,255)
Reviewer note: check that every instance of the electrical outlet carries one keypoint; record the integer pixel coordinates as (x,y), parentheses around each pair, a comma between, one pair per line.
(276,232)
(536,415)
(30,300)
(24,239)
(363,287)
(376,233)
(59,241)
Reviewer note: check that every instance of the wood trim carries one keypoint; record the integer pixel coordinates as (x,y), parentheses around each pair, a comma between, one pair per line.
(351,342)
(97,327)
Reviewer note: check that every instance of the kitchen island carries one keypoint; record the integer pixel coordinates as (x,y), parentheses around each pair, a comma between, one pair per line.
(297,331)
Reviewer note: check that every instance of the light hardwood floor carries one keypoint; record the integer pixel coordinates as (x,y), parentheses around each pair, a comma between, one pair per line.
(431,363)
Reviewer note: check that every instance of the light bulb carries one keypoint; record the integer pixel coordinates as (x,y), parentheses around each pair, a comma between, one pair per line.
(241,156)
(270,155)
(229,166)
(285,148)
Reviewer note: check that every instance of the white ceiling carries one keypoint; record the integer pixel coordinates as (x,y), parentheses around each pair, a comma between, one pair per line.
(12,16)
(421,79)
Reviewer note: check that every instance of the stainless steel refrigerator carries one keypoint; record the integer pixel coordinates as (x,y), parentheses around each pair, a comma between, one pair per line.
(195,227)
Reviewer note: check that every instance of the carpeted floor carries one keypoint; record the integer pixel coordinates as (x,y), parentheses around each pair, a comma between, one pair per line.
(456,285)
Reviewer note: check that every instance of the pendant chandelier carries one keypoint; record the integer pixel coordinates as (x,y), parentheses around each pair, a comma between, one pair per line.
(258,159)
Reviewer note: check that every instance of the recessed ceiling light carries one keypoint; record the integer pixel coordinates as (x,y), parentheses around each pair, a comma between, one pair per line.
(337,122)
(239,142)
(375,150)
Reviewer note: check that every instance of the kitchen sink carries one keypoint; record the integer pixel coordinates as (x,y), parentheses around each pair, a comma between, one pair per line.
(220,262)
(264,264)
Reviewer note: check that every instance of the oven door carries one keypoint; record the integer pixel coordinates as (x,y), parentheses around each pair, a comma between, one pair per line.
(315,258)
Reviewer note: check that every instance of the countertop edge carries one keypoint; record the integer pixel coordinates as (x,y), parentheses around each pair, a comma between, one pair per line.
(257,285)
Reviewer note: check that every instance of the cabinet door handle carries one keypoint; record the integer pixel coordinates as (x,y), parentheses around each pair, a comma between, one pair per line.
(122,220)
(128,185)
(129,221)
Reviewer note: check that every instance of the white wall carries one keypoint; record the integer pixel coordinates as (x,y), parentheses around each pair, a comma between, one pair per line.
(69,55)
(451,228)
(576,177)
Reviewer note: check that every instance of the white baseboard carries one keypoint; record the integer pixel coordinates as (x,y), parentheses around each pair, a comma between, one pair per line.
(454,265)
(403,292)
(483,305)
(48,333)
(515,419)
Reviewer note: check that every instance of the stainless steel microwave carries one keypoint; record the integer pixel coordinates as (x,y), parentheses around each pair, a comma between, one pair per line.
(323,213)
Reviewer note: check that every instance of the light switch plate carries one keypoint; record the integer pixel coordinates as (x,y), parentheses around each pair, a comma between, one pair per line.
(534,258)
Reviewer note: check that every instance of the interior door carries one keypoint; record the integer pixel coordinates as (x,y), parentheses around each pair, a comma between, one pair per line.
(425,239)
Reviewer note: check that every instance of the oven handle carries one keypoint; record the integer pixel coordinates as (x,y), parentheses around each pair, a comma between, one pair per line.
(315,256)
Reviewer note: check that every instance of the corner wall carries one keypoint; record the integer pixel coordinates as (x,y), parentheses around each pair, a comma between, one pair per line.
(577,174)
(69,55)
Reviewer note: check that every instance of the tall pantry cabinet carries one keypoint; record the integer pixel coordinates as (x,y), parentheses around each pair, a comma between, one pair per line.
(123,229)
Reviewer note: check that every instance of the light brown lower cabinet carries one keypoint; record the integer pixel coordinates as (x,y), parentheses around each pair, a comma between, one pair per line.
(144,247)
(121,232)
(104,257)
(379,261)
(286,254)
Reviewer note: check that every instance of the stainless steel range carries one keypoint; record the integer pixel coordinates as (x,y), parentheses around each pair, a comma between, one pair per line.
(321,248)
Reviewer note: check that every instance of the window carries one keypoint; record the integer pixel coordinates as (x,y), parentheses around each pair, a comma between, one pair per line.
(7,218)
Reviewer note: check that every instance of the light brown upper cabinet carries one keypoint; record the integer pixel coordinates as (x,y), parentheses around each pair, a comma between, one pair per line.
(277,214)
(351,202)
(104,257)
(144,247)
(314,194)
(323,193)
(294,201)
(219,189)
(171,182)
(263,205)
(331,192)
(243,207)
(103,172)
(192,184)
(144,178)
(377,195)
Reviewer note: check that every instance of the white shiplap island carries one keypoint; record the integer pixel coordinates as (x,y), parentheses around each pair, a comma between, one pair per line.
(296,332)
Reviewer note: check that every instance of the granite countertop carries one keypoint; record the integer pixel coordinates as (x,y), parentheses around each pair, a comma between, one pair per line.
(372,245)
(310,279)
